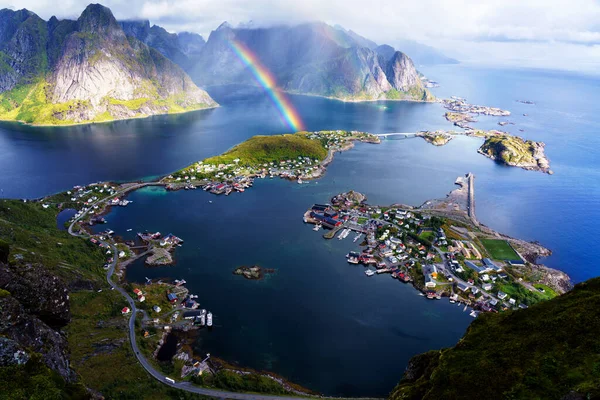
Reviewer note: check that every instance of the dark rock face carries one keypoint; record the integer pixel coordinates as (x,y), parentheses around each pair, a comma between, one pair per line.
(26,331)
(38,291)
(12,353)
(23,38)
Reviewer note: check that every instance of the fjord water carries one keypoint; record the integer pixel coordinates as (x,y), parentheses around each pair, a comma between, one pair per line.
(318,320)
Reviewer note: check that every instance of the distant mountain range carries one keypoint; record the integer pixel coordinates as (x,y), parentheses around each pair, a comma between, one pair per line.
(88,70)
(97,69)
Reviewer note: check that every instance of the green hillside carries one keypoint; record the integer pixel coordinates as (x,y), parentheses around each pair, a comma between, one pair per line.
(549,351)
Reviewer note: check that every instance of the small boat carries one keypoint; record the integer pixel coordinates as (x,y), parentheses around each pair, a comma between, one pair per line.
(202,319)
(465,309)
(474,314)
(369,272)
(209,319)
(357,237)
(129,230)
(299,181)
(317,227)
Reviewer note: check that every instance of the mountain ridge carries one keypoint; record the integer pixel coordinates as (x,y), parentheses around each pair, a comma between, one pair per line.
(88,70)
(312,59)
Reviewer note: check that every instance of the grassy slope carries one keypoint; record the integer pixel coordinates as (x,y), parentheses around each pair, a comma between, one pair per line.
(264,149)
(509,149)
(31,232)
(543,352)
(29,103)
(97,327)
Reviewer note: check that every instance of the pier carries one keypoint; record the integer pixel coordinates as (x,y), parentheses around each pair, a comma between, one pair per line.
(471,198)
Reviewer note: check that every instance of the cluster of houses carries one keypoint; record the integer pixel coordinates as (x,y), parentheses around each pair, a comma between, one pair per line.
(140,295)
(457,104)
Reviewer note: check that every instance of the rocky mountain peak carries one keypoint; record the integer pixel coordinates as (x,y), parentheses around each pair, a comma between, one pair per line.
(402,73)
(225,25)
(98,19)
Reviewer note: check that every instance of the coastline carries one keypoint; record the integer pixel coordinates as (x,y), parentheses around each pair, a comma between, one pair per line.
(107,121)
(126,188)
(343,100)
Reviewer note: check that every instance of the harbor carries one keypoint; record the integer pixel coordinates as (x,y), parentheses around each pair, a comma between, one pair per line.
(439,248)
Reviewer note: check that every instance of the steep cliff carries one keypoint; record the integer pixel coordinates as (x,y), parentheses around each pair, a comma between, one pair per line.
(548,351)
(312,58)
(181,48)
(63,72)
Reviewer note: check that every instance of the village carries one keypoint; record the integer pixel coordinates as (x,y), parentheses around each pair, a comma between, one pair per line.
(439,256)
(226,175)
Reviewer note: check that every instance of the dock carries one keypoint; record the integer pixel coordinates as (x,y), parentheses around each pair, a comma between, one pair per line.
(471,198)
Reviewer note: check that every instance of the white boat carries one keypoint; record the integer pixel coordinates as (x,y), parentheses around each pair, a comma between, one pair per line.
(369,272)
(202,320)
(299,181)
(317,227)
(474,314)
(209,320)
(357,237)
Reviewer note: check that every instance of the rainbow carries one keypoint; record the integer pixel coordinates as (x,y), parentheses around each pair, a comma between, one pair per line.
(266,79)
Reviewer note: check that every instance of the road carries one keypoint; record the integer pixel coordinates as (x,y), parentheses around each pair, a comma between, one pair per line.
(187,386)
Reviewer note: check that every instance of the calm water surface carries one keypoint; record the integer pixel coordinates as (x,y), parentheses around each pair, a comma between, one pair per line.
(318,320)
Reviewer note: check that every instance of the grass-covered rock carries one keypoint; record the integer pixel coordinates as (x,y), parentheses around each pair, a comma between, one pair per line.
(547,351)
(517,152)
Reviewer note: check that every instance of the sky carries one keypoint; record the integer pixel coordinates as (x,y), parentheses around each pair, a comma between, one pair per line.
(555,34)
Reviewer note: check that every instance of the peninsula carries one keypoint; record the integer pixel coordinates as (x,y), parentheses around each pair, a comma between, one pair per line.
(442,249)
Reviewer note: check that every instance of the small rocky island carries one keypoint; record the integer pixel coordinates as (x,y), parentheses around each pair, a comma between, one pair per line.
(516,152)
(500,146)
(254,272)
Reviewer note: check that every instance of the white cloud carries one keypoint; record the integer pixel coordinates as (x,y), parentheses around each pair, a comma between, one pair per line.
(532,31)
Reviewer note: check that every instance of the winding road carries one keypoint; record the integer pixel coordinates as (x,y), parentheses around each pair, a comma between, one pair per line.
(187,386)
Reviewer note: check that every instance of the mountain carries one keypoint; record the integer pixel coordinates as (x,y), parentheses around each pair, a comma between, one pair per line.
(425,55)
(182,48)
(548,351)
(312,58)
(88,70)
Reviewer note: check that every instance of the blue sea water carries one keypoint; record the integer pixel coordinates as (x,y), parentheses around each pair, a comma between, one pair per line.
(319,321)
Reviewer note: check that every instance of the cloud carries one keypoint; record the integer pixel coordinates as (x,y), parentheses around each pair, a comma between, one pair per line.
(549,27)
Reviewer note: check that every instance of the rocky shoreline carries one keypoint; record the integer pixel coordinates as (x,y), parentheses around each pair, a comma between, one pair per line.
(254,272)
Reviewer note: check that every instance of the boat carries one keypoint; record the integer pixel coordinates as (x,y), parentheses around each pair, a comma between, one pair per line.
(209,319)
(474,314)
(299,181)
(129,230)
(317,227)
(202,319)
(369,272)
(357,237)
(465,309)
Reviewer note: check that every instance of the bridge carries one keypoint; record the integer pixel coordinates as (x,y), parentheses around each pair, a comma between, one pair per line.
(397,135)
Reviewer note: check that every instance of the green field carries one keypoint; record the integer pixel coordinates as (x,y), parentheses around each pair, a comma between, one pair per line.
(264,149)
(499,249)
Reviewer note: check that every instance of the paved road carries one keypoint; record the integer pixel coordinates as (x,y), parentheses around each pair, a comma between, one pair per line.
(132,338)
